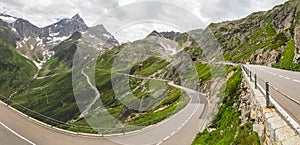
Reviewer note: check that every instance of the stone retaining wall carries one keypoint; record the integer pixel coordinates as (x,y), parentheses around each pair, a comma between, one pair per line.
(269,124)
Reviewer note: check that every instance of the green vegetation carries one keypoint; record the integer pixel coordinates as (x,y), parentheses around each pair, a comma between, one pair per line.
(150,66)
(266,33)
(15,70)
(227,122)
(51,94)
(287,58)
(173,102)
(204,72)
(7,35)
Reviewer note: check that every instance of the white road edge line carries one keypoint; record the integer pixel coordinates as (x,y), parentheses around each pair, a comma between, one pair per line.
(17,134)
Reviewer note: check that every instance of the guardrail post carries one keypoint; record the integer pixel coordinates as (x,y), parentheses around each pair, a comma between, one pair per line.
(267,95)
(247,71)
(255,81)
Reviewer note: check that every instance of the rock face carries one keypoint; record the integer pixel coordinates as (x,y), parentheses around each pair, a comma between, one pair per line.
(283,17)
(297,43)
(99,32)
(245,103)
(169,35)
(25,29)
(65,27)
(270,57)
(260,35)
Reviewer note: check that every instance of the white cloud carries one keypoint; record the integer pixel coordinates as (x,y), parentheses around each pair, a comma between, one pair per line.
(45,12)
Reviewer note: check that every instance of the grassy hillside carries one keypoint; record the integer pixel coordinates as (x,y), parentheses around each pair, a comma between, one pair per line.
(287,58)
(173,101)
(227,122)
(50,97)
(15,70)
(263,38)
(51,94)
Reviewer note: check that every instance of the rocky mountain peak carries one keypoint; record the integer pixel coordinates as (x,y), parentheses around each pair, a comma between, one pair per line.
(77,16)
(168,35)
(98,33)
(25,28)
(154,33)
(8,18)
(65,27)
(98,29)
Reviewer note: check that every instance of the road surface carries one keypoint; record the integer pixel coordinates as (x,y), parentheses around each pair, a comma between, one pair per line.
(38,134)
(9,137)
(179,129)
(287,82)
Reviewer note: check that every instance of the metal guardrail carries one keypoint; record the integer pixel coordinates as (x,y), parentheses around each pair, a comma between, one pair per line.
(267,87)
(269,90)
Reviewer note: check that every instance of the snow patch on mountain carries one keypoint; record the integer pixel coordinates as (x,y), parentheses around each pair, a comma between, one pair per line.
(38,65)
(107,35)
(168,48)
(14,29)
(8,19)
(56,40)
(48,54)
(19,45)
(40,42)
(54,34)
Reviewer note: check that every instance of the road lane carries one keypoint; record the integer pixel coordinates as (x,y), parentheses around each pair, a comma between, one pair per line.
(41,135)
(180,129)
(285,82)
(9,137)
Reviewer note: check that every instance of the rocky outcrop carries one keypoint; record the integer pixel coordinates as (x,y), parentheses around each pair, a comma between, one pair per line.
(297,43)
(260,37)
(283,17)
(25,29)
(269,57)
(65,27)
(245,106)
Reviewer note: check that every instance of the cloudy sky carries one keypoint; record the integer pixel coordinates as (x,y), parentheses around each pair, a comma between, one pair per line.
(45,12)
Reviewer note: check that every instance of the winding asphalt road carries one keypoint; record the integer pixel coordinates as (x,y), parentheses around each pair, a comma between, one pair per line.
(180,129)
(287,82)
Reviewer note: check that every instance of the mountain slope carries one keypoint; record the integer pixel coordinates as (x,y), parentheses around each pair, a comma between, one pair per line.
(261,37)
(15,70)
(51,93)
